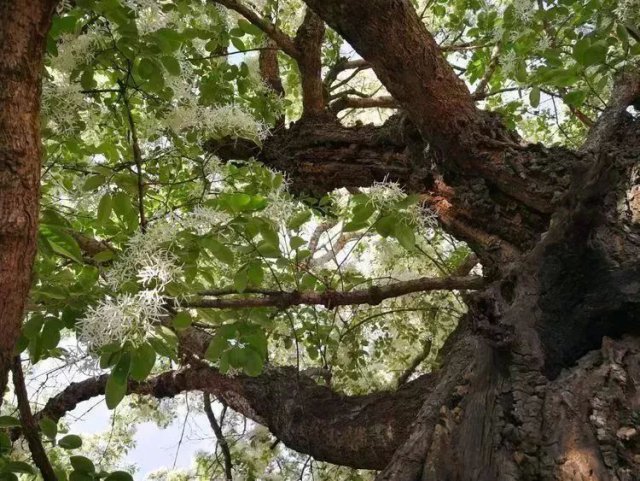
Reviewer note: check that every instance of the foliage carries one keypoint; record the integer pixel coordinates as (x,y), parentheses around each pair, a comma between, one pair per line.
(138,219)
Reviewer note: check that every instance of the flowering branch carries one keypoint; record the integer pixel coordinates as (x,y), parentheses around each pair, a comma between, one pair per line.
(373,295)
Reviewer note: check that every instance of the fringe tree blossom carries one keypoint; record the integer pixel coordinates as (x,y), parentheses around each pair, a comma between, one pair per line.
(203,219)
(525,10)
(151,16)
(74,50)
(227,120)
(384,194)
(61,102)
(144,250)
(125,317)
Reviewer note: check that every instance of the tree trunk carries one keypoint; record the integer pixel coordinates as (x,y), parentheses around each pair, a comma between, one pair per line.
(23,29)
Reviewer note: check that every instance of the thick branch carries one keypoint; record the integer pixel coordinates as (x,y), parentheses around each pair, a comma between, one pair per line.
(282,39)
(373,295)
(308,41)
(346,102)
(390,36)
(358,431)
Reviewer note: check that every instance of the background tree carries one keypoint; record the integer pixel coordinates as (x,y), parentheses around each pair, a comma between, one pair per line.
(217,217)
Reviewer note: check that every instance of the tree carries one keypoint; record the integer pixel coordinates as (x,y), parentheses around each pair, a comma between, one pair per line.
(174,249)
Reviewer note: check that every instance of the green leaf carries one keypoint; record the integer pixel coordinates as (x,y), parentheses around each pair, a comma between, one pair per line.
(120,372)
(49,428)
(241,280)
(296,221)
(405,235)
(104,208)
(182,320)
(9,422)
(20,467)
(534,97)
(82,464)
(255,273)
(143,358)
(70,441)
(114,392)
(62,242)
(80,476)
(50,335)
(218,249)
(296,242)
(386,225)
(171,64)
(93,182)
(119,476)
(253,363)
(362,212)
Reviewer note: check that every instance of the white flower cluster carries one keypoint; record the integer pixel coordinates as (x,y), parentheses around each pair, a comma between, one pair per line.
(147,258)
(223,121)
(74,50)
(126,317)
(61,103)
(384,194)
(151,16)
(525,10)
(628,11)
(203,219)
(509,62)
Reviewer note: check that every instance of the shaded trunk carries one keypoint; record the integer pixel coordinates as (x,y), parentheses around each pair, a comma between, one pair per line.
(23,28)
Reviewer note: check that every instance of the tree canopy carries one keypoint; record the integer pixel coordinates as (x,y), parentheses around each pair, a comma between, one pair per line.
(278,211)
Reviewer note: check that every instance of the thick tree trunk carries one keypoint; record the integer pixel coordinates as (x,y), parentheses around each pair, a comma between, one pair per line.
(23,29)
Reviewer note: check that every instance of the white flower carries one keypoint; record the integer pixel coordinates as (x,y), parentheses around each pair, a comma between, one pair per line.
(385,193)
(147,253)
(525,9)
(509,61)
(61,103)
(279,209)
(123,318)
(203,219)
(160,268)
(150,16)
(628,11)
(75,50)
(225,121)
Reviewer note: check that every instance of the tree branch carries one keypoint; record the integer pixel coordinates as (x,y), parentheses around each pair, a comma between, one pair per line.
(437,101)
(29,425)
(308,41)
(357,431)
(346,102)
(217,430)
(282,39)
(373,295)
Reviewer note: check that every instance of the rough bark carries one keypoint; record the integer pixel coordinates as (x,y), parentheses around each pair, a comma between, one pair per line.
(23,28)
(358,431)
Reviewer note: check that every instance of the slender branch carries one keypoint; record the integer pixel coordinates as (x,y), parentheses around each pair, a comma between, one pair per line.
(222,442)
(137,157)
(373,295)
(426,349)
(29,425)
(285,42)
